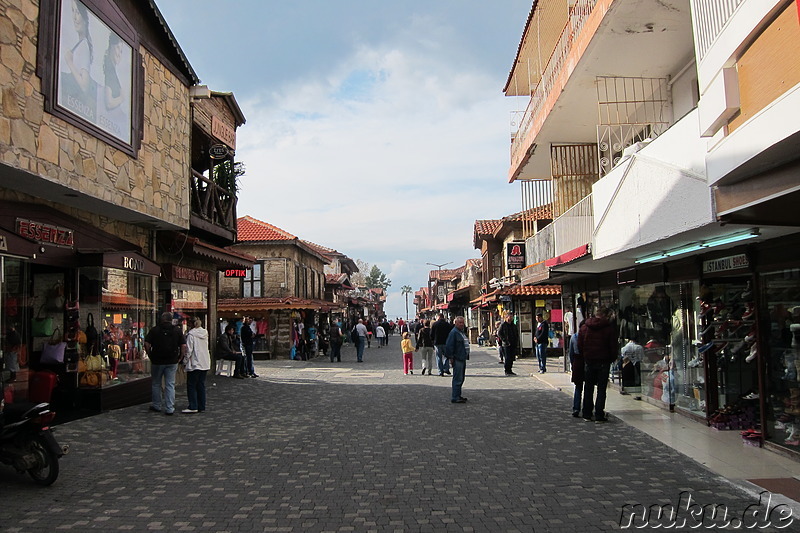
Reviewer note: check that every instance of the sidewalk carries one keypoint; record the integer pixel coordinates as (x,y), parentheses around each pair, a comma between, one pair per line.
(722,452)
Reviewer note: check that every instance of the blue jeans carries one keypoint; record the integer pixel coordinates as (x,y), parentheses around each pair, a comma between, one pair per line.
(595,374)
(576,398)
(541,355)
(441,359)
(196,389)
(167,373)
(249,368)
(362,341)
(459,370)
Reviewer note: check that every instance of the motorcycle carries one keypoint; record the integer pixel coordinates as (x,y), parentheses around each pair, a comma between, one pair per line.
(27,442)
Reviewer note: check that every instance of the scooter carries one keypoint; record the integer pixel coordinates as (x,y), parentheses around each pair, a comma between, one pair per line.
(27,442)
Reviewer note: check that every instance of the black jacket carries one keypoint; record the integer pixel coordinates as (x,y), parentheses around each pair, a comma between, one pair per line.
(439,331)
(509,337)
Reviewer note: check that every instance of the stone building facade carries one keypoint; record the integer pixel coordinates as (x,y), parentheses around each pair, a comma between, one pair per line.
(95,166)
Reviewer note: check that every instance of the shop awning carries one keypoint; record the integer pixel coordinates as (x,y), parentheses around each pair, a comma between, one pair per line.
(124,301)
(14,245)
(270,304)
(175,242)
(572,255)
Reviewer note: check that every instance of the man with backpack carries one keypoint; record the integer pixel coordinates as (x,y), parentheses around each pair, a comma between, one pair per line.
(165,346)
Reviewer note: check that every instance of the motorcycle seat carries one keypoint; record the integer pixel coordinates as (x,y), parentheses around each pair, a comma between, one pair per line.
(13,412)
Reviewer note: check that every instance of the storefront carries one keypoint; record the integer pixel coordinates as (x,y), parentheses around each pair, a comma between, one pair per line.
(714,337)
(78,306)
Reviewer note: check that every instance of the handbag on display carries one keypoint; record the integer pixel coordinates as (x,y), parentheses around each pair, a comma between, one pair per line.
(91,333)
(42,326)
(53,350)
(54,298)
(94,362)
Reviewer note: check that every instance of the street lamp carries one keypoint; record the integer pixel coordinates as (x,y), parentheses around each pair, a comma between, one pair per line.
(438,276)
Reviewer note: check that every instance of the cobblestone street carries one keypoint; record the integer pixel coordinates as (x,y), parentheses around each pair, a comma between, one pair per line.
(319,446)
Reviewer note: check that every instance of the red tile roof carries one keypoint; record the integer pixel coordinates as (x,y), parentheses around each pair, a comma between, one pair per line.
(531,290)
(251,229)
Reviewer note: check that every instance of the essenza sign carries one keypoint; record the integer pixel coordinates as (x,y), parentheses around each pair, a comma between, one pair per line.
(45,233)
(732,262)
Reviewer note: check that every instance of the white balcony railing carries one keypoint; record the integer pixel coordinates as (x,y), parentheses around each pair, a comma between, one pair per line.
(710,17)
(578,14)
(541,246)
(575,227)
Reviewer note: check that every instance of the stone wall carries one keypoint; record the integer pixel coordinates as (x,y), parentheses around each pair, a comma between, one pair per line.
(154,183)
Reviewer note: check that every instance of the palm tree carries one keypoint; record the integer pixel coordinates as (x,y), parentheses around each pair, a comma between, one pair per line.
(406,290)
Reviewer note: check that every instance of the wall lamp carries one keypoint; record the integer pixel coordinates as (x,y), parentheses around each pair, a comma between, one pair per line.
(711,243)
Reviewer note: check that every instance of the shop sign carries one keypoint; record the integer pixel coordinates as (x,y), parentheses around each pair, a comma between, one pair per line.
(515,255)
(190,274)
(505,298)
(236,273)
(223,132)
(732,262)
(218,151)
(626,276)
(45,233)
(132,263)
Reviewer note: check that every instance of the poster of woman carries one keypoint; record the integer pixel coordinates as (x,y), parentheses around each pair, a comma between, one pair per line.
(90,51)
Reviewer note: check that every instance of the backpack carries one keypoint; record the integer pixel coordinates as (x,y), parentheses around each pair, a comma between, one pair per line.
(354,335)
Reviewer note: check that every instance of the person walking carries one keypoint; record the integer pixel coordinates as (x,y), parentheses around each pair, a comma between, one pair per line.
(425,346)
(577,364)
(336,342)
(597,343)
(542,339)
(228,349)
(509,338)
(457,352)
(361,334)
(165,346)
(247,344)
(439,331)
(408,354)
(198,363)
(380,334)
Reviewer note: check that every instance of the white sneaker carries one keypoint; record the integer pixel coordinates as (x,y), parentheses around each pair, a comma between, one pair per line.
(189,411)
(753,354)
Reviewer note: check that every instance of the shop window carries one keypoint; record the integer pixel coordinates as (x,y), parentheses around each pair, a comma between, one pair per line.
(190,302)
(116,309)
(252,282)
(14,331)
(91,70)
(781,353)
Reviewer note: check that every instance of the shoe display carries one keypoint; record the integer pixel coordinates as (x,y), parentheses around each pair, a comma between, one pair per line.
(750,312)
(751,396)
(753,354)
(706,347)
(697,361)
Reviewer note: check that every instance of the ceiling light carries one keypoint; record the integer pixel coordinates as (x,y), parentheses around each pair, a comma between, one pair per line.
(728,239)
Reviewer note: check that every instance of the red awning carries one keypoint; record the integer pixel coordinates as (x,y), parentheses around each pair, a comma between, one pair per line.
(572,255)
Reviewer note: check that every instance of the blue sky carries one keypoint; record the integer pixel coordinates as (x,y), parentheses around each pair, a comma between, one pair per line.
(373,127)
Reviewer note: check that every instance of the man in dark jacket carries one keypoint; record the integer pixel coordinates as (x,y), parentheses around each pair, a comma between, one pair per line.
(439,331)
(457,352)
(542,340)
(597,343)
(509,338)
(165,346)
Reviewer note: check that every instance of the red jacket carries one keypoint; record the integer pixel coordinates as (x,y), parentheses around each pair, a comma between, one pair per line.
(597,341)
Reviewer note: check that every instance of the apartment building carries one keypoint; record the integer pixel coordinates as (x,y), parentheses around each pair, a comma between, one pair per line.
(662,132)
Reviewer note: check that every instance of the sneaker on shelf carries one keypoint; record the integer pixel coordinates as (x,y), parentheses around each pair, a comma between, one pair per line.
(706,347)
(750,337)
(753,354)
(751,396)
(749,312)
(697,361)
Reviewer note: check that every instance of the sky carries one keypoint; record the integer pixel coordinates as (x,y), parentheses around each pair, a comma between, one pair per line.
(377,128)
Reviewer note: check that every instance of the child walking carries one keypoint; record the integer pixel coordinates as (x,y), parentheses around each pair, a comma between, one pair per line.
(408,354)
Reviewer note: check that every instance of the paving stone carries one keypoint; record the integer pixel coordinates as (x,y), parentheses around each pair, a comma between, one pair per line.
(333,447)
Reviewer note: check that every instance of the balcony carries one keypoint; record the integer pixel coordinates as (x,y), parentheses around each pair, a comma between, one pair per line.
(213,208)
(648,39)
(574,228)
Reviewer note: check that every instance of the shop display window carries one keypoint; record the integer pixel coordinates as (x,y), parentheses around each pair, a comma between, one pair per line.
(781,300)
(728,347)
(657,356)
(117,308)
(15,305)
(190,302)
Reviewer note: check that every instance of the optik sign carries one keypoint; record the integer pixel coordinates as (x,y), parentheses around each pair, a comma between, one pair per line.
(515,255)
